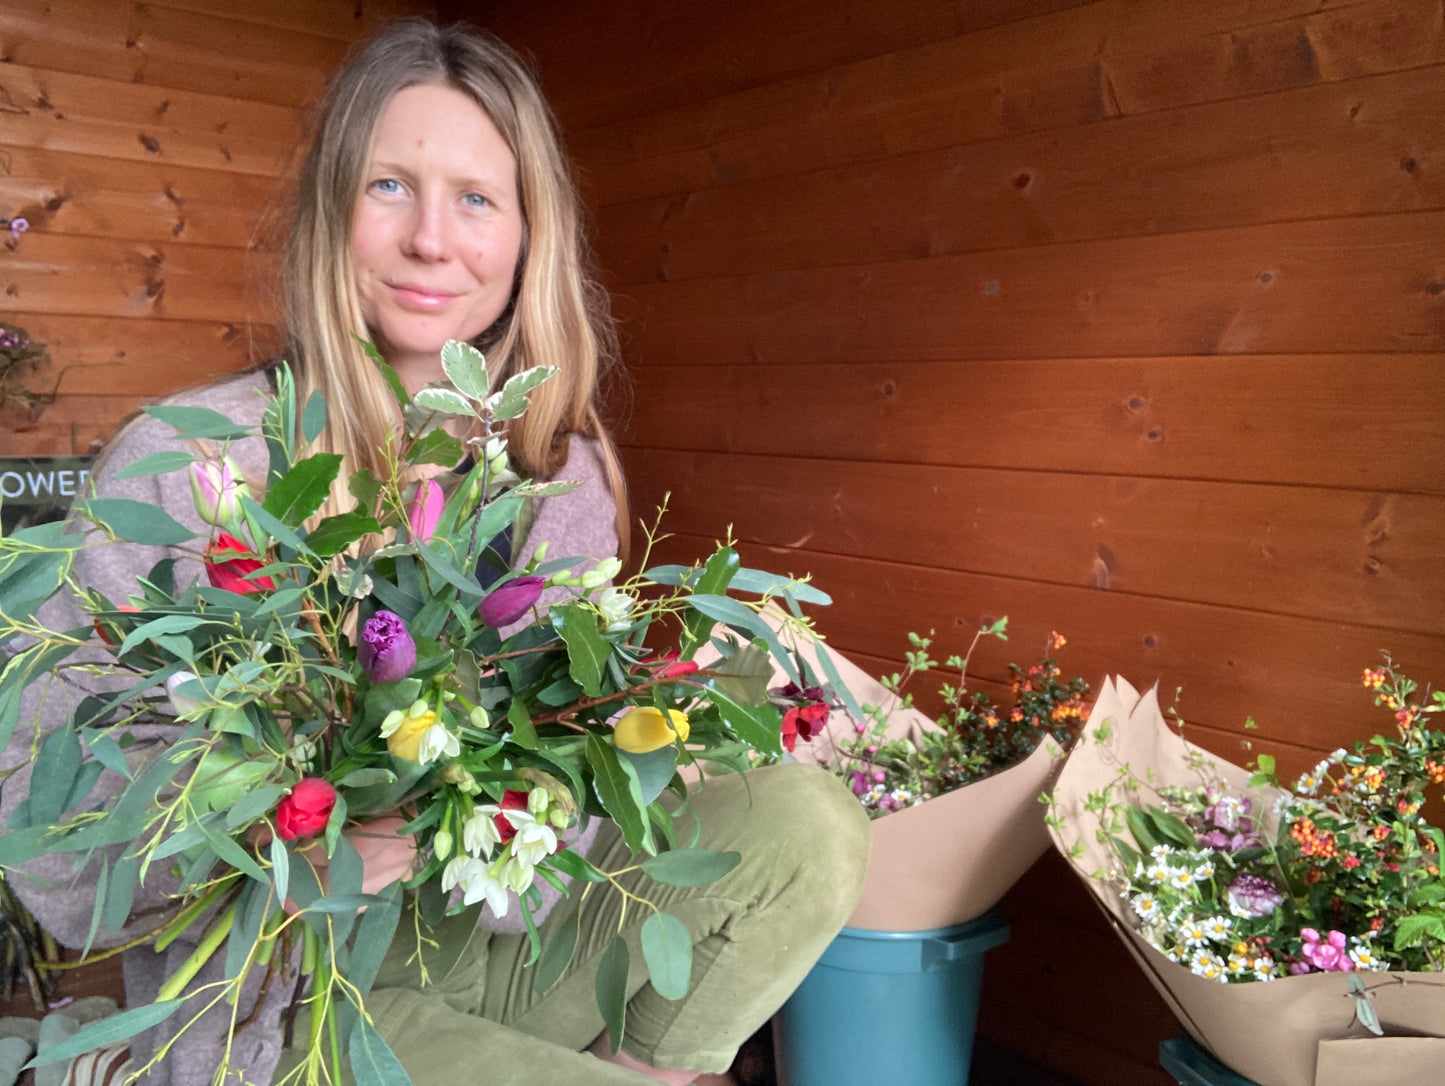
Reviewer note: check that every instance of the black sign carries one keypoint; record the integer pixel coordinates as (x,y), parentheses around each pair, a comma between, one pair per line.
(41,488)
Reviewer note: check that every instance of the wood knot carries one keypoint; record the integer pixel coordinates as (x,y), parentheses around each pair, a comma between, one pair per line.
(1409,165)
(1155,434)
(150,143)
(1137,403)
(1023,180)
(1435,288)
(890,389)
(1150,642)
(991,289)
(1267,277)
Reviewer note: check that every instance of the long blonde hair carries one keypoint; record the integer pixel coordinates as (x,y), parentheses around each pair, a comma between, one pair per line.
(558,314)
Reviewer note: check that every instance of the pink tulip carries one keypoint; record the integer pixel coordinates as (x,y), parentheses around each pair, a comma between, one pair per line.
(425,510)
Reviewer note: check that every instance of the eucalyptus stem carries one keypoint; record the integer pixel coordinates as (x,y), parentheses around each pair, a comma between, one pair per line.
(209,944)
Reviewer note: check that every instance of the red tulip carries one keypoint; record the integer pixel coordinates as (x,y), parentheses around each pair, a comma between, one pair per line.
(233,574)
(305,812)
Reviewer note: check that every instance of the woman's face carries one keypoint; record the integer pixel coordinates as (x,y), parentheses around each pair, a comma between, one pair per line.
(437,229)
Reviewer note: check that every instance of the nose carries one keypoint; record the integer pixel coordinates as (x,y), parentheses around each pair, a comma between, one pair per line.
(429,236)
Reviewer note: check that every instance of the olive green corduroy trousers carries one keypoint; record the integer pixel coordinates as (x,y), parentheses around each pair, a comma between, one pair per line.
(756,933)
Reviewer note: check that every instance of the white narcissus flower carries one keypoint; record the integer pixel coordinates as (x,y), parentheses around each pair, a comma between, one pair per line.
(615,605)
(534,842)
(479,833)
(437,741)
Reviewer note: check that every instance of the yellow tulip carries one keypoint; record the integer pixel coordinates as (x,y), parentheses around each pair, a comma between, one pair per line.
(644,728)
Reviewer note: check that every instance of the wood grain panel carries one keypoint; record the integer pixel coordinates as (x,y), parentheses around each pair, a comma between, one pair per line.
(1352,148)
(695,51)
(1373,283)
(1354,556)
(61,193)
(1069,68)
(1298,678)
(61,111)
(342,19)
(1202,418)
(148,358)
(73,426)
(165,47)
(99,277)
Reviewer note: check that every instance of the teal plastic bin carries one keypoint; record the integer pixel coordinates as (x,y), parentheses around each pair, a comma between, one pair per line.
(886,1007)
(1192,1066)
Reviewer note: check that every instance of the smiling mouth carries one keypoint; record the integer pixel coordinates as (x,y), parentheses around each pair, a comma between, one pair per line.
(420,297)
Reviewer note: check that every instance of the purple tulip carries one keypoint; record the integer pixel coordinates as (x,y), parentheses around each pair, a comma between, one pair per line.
(508,602)
(387,651)
(425,510)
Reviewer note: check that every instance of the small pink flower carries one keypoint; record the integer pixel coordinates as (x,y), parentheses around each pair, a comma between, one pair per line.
(18,227)
(1328,956)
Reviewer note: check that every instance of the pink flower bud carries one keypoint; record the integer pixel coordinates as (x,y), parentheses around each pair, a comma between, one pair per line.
(425,510)
(216,489)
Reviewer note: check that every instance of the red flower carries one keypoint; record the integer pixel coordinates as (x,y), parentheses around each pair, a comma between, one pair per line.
(512,800)
(305,812)
(804,722)
(668,666)
(103,631)
(234,574)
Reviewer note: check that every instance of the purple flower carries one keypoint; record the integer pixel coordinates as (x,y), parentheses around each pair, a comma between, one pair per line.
(216,489)
(18,227)
(1253,895)
(1223,842)
(1227,811)
(387,651)
(508,602)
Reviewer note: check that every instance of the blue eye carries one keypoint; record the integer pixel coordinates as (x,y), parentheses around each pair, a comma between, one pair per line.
(386,184)
(475,199)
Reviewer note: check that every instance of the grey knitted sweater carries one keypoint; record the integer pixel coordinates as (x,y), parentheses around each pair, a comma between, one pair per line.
(580,523)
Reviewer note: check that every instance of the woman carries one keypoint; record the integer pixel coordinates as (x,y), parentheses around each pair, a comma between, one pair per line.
(436,204)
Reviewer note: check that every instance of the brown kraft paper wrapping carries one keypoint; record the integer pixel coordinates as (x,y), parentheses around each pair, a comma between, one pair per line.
(1296,1031)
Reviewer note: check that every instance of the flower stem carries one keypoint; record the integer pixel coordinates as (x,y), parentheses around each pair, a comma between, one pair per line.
(210,943)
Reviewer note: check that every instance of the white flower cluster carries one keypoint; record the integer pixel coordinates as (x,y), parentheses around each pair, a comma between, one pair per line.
(480,874)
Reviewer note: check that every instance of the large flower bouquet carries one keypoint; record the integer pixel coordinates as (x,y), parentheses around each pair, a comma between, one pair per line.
(969,776)
(1223,881)
(345,676)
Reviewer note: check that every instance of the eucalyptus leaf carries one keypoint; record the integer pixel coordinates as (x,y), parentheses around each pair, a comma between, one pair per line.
(161,463)
(313,417)
(557,952)
(334,534)
(689,866)
(198,422)
(654,769)
(667,949)
(107,1031)
(253,805)
(373,1063)
(374,933)
(714,578)
(138,522)
(611,988)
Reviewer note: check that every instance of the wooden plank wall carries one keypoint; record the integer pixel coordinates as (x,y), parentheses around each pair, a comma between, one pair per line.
(1123,318)
(144,142)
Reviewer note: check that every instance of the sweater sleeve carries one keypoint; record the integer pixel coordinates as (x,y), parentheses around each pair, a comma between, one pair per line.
(59,888)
